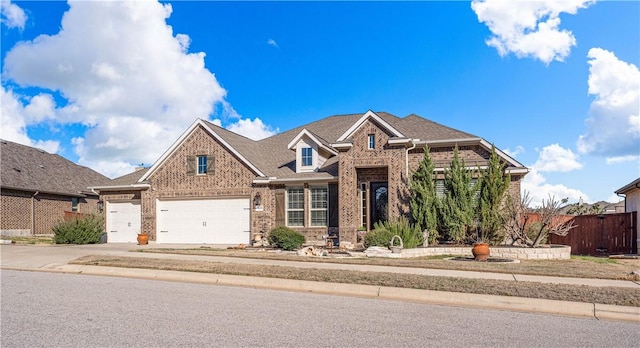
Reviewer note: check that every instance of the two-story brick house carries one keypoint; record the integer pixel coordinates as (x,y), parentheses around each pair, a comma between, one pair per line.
(329,177)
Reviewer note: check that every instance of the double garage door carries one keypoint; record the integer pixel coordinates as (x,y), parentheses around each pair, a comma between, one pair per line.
(203,221)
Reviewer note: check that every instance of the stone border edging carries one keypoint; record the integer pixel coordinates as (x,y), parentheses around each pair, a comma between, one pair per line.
(554,252)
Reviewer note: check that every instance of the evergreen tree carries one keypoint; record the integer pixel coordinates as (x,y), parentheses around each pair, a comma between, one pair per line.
(492,187)
(458,208)
(424,202)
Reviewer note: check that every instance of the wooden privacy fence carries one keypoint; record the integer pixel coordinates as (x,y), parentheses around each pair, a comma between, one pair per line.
(598,235)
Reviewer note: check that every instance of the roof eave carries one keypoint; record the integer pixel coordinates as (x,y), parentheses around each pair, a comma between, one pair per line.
(132,187)
(78,194)
(630,186)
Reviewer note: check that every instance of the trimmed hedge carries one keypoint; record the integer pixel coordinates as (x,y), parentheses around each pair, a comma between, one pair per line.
(285,238)
(85,230)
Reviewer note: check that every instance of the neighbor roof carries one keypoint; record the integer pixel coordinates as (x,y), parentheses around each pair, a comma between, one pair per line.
(31,169)
(635,184)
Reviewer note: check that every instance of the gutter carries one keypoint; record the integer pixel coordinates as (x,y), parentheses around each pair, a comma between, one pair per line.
(33,213)
(273,180)
(119,187)
(413,146)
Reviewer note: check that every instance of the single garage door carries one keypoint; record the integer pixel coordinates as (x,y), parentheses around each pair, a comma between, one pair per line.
(123,222)
(203,221)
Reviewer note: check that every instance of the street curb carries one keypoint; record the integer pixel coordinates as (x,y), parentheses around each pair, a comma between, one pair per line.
(576,309)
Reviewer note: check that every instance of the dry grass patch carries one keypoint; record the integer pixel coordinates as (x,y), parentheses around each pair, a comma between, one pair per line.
(610,295)
(576,267)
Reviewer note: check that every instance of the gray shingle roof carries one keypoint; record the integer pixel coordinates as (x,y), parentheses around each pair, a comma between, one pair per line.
(128,179)
(273,158)
(30,169)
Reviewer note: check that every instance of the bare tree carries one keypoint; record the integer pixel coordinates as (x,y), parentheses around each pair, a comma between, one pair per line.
(525,230)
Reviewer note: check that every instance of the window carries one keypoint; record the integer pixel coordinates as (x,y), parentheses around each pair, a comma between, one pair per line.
(74,204)
(441,190)
(295,206)
(319,204)
(202,165)
(363,204)
(307,157)
(372,141)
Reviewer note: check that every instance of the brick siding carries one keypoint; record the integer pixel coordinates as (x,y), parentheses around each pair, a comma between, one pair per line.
(48,209)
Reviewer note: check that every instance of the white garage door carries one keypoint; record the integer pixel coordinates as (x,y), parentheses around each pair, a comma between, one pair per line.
(123,222)
(203,221)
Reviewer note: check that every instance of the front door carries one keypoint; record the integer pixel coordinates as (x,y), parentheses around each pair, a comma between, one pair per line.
(378,202)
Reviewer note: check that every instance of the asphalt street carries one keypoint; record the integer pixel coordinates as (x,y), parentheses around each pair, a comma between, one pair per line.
(65,310)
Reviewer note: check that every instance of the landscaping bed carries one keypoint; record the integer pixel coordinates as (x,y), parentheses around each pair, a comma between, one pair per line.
(576,267)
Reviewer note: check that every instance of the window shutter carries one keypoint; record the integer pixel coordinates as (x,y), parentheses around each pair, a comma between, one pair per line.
(280,207)
(211,165)
(333,205)
(191,165)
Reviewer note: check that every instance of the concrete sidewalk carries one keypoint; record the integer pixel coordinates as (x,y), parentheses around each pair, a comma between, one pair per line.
(56,258)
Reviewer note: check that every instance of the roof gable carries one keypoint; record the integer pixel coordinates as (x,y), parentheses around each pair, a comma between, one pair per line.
(208,127)
(322,144)
(369,115)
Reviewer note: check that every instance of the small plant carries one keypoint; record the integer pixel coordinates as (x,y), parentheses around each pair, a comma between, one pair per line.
(379,236)
(285,238)
(411,234)
(85,230)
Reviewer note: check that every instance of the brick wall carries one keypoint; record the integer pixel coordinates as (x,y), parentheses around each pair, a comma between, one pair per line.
(356,165)
(231,177)
(48,209)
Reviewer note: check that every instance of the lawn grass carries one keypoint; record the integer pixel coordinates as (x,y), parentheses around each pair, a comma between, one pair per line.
(576,267)
(29,239)
(582,293)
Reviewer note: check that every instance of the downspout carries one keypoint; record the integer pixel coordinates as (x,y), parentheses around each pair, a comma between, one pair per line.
(33,213)
(413,146)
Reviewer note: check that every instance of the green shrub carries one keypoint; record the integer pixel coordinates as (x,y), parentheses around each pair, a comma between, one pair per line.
(286,238)
(85,230)
(410,234)
(378,237)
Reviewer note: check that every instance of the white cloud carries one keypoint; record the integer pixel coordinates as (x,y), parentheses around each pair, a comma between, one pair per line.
(539,190)
(529,28)
(514,153)
(272,42)
(613,126)
(124,74)
(12,15)
(622,159)
(15,117)
(554,158)
(255,129)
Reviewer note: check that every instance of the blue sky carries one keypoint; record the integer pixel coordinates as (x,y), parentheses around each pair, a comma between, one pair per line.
(111,85)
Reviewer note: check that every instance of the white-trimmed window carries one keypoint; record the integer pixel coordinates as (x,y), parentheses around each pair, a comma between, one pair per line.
(371,139)
(319,203)
(202,165)
(307,157)
(295,206)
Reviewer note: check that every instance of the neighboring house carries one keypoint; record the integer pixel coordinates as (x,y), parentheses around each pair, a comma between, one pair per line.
(631,193)
(38,188)
(329,177)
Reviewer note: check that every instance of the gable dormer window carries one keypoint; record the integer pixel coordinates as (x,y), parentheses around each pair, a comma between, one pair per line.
(202,165)
(371,141)
(307,157)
